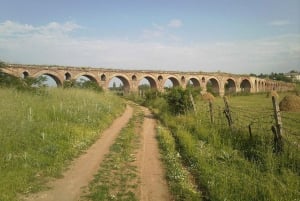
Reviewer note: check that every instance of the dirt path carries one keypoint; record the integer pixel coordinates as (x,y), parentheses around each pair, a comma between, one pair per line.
(153,183)
(81,171)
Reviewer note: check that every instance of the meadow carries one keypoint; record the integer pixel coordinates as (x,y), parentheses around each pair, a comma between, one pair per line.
(43,130)
(229,163)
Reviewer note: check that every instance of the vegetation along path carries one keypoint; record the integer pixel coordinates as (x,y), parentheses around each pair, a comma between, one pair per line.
(82,169)
(153,185)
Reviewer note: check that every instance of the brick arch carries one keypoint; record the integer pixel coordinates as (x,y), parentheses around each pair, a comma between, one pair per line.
(245,85)
(67,75)
(125,80)
(12,72)
(196,82)
(230,85)
(151,80)
(91,76)
(215,84)
(174,80)
(55,76)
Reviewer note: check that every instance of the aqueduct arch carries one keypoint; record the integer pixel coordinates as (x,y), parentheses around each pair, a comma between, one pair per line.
(213,85)
(218,83)
(124,79)
(230,86)
(90,76)
(245,85)
(174,81)
(151,80)
(195,82)
(55,76)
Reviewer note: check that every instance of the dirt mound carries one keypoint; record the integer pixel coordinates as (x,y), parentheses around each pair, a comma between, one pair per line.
(208,97)
(273,93)
(290,103)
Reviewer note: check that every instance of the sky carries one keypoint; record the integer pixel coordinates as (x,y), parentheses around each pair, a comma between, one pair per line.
(233,36)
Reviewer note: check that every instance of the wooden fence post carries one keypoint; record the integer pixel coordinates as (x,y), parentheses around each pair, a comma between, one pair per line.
(250,130)
(227,112)
(277,130)
(211,111)
(193,103)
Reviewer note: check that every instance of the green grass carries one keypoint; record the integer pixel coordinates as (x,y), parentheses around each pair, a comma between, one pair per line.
(41,133)
(117,178)
(228,163)
(179,179)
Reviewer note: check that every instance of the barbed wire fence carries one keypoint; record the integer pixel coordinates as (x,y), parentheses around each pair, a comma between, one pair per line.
(283,126)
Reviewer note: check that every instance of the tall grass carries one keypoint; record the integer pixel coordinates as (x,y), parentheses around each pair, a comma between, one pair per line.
(228,163)
(40,133)
(179,179)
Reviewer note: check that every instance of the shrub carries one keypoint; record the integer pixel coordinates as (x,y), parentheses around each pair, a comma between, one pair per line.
(178,100)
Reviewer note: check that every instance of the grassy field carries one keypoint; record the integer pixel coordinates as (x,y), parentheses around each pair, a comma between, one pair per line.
(41,132)
(229,163)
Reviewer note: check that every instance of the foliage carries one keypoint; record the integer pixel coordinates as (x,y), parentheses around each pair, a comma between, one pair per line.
(27,84)
(174,100)
(40,134)
(84,84)
(178,100)
(275,76)
(178,177)
(144,87)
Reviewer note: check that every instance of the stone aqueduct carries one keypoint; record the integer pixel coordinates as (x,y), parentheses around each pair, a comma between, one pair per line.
(219,82)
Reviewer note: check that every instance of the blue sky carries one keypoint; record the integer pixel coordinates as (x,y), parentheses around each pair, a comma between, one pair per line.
(235,36)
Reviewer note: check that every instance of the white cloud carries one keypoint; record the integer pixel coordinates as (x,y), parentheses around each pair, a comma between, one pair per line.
(175,23)
(52,44)
(9,28)
(162,32)
(280,23)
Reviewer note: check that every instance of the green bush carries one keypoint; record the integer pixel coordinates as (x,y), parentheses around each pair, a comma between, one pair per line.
(178,100)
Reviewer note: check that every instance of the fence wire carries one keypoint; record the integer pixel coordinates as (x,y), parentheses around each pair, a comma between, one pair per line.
(260,120)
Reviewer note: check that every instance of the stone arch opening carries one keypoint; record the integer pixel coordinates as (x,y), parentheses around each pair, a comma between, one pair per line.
(133,78)
(171,82)
(212,86)
(119,84)
(148,81)
(86,81)
(193,82)
(50,80)
(85,77)
(203,79)
(182,79)
(230,86)
(245,85)
(67,76)
(103,77)
(24,75)
(160,78)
